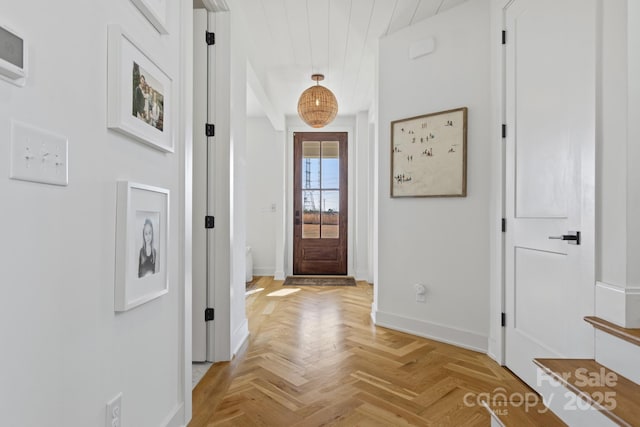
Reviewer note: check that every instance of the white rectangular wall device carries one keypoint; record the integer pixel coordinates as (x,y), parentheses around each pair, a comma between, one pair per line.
(422,48)
(13,57)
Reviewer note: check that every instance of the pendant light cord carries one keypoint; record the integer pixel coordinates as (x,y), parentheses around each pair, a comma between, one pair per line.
(328,34)
(309,33)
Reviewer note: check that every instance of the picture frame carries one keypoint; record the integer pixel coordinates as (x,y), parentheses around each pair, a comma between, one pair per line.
(156,13)
(142,241)
(141,96)
(429,155)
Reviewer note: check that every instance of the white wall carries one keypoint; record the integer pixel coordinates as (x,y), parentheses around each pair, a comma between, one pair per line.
(633,179)
(440,242)
(617,202)
(371,206)
(612,145)
(65,351)
(270,178)
(265,176)
(363,194)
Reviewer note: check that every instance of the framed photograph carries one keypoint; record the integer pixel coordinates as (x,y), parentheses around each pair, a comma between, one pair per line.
(429,155)
(142,239)
(140,98)
(155,11)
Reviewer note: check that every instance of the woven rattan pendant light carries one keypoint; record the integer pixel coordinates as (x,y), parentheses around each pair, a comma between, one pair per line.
(317,105)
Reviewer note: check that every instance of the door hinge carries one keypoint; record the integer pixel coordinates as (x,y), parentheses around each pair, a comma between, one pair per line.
(209,221)
(209,314)
(210,129)
(503,319)
(210,38)
(504,131)
(504,225)
(504,37)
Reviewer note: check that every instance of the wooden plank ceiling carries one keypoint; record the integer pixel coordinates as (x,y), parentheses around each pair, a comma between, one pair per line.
(292,39)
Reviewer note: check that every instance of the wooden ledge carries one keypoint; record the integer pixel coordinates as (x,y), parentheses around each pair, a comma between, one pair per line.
(519,414)
(605,390)
(630,335)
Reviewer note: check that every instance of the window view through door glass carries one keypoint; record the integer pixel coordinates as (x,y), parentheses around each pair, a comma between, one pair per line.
(320,189)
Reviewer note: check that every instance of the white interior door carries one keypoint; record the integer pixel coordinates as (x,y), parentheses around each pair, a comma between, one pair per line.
(202,289)
(550,114)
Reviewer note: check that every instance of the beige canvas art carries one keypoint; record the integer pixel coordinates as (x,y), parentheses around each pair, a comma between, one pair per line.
(428,155)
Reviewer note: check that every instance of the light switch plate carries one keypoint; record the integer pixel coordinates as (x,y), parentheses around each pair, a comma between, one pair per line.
(38,155)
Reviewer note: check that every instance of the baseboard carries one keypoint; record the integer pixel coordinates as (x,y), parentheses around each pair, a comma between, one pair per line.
(618,355)
(239,337)
(267,271)
(434,331)
(279,275)
(362,275)
(176,418)
(492,350)
(618,304)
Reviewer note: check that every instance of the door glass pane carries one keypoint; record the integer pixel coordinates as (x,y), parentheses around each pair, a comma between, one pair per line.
(330,214)
(320,189)
(310,164)
(330,164)
(310,214)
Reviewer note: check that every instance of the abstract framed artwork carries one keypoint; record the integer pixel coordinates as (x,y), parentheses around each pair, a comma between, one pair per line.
(429,155)
(142,240)
(156,13)
(140,99)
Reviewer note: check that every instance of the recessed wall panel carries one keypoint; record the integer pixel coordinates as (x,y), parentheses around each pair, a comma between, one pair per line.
(540,299)
(542,129)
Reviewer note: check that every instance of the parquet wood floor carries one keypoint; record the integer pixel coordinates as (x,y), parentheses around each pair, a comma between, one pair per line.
(314,358)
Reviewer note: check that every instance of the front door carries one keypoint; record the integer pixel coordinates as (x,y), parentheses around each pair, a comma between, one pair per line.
(320,203)
(550,113)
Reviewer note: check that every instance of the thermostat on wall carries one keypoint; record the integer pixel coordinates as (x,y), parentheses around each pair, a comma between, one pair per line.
(13,57)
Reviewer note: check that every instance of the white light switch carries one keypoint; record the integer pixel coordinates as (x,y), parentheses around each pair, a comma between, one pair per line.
(38,155)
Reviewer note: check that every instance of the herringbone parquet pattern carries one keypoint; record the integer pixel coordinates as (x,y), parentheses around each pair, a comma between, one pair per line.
(314,358)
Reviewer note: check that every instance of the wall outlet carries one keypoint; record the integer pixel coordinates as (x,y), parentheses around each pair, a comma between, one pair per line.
(114,412)
(421,291)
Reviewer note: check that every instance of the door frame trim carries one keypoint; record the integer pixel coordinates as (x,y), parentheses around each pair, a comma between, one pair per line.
(343,143)
(497,342)
(344,124)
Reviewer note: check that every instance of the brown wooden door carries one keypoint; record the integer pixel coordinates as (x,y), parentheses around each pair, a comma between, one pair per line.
(320,203)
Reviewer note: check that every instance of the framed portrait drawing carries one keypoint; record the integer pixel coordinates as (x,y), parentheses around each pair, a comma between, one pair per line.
(142,240)
(140,99)
(155,11)
(429,155)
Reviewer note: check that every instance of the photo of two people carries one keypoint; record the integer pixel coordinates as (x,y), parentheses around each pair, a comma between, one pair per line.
(148,98)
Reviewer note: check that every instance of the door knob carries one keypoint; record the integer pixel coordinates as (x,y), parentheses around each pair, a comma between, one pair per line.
(573,237)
